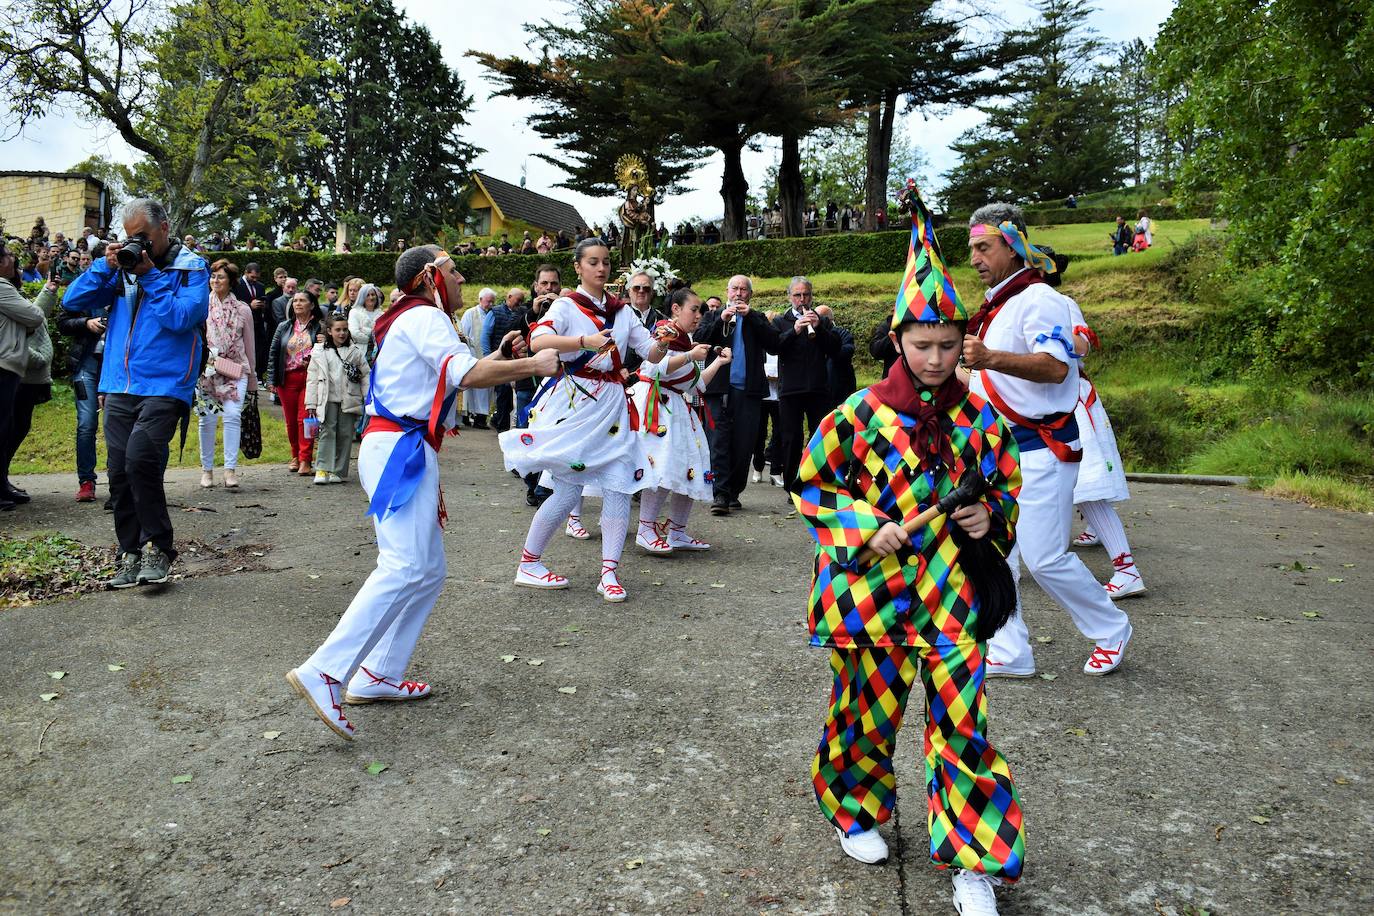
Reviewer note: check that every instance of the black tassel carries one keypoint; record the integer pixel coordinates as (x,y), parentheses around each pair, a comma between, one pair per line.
(987,571)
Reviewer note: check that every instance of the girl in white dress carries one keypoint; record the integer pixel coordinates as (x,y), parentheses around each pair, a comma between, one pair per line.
(582,431)
(668,395)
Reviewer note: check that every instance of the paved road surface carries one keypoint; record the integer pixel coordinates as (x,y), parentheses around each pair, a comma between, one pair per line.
(1225,768)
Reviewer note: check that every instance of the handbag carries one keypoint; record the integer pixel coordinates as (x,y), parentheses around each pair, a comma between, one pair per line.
(250,434)
(228,368)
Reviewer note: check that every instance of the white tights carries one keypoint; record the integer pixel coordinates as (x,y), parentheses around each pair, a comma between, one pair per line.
(553,514)
(1106,524)
(651,504)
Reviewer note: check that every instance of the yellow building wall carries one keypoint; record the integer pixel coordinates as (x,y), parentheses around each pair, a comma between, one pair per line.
(62,202)
(479,201)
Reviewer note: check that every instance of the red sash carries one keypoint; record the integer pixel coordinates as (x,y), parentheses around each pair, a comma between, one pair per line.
(1061,450)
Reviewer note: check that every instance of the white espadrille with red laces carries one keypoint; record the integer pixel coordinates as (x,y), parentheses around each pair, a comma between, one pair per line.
(609,587)
(575,529)
(651,540)
(367,686)
(322,693)
(532,573)
(679,539)
(1106,658)
(1086,539)
(1126,581)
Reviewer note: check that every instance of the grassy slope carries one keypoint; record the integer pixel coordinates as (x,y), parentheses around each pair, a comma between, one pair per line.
(1172,409)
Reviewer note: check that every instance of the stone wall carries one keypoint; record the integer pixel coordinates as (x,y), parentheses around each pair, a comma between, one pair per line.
(66,203)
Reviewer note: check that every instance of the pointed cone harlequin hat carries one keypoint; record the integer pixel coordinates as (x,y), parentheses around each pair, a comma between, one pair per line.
(927,292)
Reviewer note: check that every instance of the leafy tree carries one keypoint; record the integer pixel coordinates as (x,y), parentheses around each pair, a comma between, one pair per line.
(198,87)
(390,112)
(1060,135)
(1277,95)
(835,166)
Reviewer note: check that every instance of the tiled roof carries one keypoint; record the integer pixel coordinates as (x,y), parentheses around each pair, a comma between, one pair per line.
(82,175)
(519,203)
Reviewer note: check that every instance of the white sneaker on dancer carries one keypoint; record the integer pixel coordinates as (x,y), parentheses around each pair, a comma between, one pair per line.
(322,693)
(973,893)
(866,846)
(1086,539)
(1106,659)
(531,573)
(650,538)
(609,587)
(1126,580)
(575,529)
(679,539)
(369,687)
(1002,669)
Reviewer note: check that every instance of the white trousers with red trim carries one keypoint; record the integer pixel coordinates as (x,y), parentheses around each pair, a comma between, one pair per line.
(383,623)
(1043,529)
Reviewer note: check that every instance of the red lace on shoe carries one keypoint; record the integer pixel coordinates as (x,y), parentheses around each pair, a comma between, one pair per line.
(1124,564)
(1102,657)
(608,567)
(336,702)
(575,526)
(404,686)
(659,542)
(549,575)
(1086,539)
(682,530)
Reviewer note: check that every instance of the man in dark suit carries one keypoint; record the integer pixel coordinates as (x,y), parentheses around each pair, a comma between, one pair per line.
(841,362)
(806,341)
(251,291)
(640,290)
(735,398)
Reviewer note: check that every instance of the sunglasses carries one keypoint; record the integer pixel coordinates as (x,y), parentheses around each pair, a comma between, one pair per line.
(641,289)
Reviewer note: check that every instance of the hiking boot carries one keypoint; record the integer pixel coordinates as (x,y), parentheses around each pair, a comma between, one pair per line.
(127,574)
(156,567)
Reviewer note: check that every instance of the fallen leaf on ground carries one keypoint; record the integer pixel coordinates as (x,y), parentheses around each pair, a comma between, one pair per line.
(560,644)
(1259,819)
(314,575)
(633,864)
(1341,781)
(1044,639)
(567,690)
(184,777)
(1262,617)
(271,736)
(543,831)
(1078,732)
(114,667)
(535,662)
(1335,580)
(339,902)
(374,769)
(57,675)
(47,697)
(718,585)
(508,658)
(1048,677)
(1311,615)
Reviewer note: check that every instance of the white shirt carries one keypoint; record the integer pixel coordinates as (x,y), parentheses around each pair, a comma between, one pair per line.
(407,369)
(1035,320)
(565,319)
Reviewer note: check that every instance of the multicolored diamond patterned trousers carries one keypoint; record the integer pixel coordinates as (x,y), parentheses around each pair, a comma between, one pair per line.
(974,812)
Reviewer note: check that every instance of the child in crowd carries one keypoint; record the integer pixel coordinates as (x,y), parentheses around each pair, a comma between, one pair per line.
(334,388)
(910,615)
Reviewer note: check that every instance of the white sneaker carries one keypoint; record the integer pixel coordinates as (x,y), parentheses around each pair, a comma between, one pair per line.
(866,846)
(973,893)
(650,539)
(575,529)
(1126,580)
(322,693)
(679,539)
(531,573)
(369,687)
(776,479)
(321,478)
(1107,658)
(757,477)
(1002,669)
(335,478)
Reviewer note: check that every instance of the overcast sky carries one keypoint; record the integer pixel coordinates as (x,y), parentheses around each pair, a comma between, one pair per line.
(498,125)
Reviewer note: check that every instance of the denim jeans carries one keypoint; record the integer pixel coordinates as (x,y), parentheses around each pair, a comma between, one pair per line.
(85,381)
(522,400)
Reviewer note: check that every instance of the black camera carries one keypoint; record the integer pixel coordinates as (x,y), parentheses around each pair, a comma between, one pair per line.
(130,254)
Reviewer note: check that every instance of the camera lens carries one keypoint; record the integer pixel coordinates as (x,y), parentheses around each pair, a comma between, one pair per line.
(130,254)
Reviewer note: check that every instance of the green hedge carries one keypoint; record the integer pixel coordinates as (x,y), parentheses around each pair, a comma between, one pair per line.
(855,252)
(1062,216)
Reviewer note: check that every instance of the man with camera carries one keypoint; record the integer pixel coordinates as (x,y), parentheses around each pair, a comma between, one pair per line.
(735,398)
(156,295)
(806,341)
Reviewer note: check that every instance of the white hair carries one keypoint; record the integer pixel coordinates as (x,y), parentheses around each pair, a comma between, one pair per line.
(486,291)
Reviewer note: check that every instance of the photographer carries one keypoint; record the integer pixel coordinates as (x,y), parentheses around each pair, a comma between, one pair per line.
(156,295)
(806,342)
(19,318)
(86,329)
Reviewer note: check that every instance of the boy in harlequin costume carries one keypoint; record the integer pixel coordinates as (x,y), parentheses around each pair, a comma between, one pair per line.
(912,615)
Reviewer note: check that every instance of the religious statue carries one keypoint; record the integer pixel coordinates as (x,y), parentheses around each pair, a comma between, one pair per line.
(633,177)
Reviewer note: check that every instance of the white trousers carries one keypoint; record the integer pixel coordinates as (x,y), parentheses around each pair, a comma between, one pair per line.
(233,426)
(477,401)
(1042,541)
(380,628)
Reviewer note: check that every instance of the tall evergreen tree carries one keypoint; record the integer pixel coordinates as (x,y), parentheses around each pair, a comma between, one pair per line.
(1060,135)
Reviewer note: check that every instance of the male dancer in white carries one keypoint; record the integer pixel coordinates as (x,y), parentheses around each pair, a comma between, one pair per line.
(1020,345)
(420,366)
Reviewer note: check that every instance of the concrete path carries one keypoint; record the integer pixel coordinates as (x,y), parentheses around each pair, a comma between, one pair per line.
(1226,768)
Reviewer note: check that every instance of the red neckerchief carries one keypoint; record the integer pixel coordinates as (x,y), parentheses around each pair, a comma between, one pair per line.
(605,312)
(978,324)
(681,342)
(387,318)
(928,438)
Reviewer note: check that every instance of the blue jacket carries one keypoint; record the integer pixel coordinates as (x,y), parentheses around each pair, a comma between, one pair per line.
(500,320)
(152,346)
